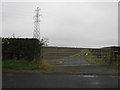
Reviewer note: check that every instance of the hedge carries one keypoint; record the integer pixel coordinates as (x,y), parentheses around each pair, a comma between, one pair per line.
(21,48)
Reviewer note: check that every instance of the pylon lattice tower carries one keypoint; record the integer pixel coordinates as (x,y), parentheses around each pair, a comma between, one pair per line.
(36,33)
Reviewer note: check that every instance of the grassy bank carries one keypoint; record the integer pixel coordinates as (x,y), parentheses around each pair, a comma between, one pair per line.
(95,59)
(16,65)
(99,61)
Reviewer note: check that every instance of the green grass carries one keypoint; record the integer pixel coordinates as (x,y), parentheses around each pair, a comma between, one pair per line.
(94,60)
(15,65)
(19,65)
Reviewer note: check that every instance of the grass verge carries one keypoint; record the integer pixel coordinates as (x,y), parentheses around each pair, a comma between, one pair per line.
(23,65)
(94,60)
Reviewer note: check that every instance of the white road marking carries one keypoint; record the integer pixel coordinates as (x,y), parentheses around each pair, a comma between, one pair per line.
(92,76)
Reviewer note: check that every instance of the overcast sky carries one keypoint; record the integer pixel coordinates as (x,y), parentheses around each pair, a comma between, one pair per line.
(66,24)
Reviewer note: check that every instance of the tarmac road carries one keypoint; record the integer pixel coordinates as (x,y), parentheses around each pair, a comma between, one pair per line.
(38,80)
(79,65)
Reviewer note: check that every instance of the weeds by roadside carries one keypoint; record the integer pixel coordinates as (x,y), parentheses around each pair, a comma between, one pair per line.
(23,65)
(99,61)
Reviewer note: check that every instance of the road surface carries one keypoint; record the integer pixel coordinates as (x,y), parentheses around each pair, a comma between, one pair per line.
(80,65)
(37,80)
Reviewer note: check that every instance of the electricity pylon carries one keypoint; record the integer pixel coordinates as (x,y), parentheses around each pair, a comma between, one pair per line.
(36,33)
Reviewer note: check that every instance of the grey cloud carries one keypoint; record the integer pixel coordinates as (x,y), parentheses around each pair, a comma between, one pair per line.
(65,24)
